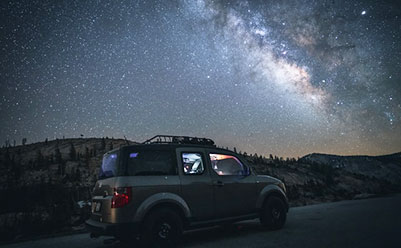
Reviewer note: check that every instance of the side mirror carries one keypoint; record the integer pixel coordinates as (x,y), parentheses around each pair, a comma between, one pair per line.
(246,172)
(249,171)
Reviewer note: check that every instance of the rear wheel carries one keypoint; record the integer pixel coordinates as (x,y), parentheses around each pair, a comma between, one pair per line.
(273,213)
(162,228)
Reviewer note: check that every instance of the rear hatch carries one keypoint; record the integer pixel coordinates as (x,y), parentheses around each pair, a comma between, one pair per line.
(104,189)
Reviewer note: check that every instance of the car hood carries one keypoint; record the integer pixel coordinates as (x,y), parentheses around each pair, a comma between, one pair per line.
(267,179)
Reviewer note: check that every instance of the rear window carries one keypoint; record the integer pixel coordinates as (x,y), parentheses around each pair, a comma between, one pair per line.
(109,165)
(151,163)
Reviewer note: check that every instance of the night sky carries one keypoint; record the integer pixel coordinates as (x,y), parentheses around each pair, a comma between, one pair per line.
(281,77)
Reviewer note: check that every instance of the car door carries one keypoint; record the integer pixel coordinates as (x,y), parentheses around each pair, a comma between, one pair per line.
(233,184)
(196,184)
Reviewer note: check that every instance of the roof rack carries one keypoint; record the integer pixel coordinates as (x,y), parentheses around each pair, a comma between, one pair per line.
(169,139)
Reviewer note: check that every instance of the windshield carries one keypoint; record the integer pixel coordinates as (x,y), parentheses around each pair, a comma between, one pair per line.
(109,165)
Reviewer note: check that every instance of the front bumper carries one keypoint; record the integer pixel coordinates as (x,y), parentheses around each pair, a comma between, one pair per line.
(97,228)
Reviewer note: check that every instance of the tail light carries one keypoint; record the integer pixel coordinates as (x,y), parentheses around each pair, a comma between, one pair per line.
(121,197)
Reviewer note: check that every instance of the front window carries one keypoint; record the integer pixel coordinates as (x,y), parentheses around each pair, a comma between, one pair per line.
(151,163)
(227,165)
(109,165)
(192,163)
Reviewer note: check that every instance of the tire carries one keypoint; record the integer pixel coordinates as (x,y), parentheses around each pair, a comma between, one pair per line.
(161,228)
(274,213)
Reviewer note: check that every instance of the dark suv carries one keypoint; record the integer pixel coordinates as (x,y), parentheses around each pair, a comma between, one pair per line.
(168,184)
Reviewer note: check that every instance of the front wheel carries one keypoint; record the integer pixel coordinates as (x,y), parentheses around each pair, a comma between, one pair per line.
(273,214)
(162,228)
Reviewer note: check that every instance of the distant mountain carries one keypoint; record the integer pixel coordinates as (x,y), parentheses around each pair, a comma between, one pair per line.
(386,167)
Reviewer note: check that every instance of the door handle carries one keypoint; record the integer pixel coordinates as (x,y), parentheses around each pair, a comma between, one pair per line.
(218,183)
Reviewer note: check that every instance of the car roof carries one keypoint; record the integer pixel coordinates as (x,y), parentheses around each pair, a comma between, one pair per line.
(170,146)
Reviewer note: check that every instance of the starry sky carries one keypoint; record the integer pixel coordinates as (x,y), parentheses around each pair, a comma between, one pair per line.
(281,77)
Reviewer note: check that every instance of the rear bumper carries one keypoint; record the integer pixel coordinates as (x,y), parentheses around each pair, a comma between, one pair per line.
(110,229)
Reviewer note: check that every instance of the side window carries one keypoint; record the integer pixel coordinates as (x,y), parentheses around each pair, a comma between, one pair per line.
(109,166)
(151,163)
(192,163)
(227,165)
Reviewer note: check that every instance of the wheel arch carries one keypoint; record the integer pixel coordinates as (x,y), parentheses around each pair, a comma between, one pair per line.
(269,191)
(163,200)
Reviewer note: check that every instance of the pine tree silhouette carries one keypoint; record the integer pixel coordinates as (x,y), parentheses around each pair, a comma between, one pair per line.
(57,156)
(73,153)
(39,158)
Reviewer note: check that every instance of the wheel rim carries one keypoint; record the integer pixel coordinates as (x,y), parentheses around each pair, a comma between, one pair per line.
(276,213)
(164,230)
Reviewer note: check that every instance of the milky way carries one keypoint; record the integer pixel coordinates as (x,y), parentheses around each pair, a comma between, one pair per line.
(280,77)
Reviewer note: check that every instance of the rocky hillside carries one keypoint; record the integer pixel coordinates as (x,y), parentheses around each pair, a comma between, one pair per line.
(46,187)
(387,167)
(313,181)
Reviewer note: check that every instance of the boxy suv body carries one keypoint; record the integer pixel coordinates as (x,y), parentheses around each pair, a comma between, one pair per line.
(175,183)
